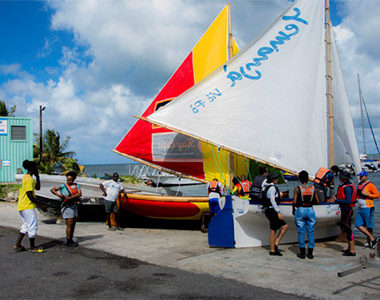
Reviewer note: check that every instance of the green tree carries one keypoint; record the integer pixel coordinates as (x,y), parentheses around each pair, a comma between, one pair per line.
(54,154)
(4,110)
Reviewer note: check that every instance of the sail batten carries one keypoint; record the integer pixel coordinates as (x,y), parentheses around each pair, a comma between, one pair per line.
(244,155)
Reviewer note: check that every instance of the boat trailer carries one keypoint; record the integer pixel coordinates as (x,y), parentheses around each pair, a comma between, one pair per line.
(365,262)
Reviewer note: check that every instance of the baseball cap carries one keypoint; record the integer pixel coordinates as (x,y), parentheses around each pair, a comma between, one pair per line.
(363,173)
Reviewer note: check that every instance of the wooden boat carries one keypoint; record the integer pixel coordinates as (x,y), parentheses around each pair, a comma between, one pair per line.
(288,70)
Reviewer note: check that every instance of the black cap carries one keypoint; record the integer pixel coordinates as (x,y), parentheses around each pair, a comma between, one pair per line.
(345,175)
(272,175)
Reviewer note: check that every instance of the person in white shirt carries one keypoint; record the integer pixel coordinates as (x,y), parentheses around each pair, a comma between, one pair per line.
(111,189)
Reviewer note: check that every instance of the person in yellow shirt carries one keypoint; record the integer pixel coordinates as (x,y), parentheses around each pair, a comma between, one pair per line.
(366,193)
(27,207)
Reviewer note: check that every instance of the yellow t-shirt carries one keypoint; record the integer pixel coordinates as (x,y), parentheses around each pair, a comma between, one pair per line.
(27,185)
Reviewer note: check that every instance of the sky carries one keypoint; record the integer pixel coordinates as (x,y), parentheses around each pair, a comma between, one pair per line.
(95,63)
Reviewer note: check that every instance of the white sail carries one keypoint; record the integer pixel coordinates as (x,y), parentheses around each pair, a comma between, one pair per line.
(269,101)
(345,144)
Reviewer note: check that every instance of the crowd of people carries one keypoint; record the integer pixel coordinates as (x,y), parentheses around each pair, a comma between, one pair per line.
(263,189)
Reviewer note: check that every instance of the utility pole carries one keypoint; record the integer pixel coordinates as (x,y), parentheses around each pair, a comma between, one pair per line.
(41,110)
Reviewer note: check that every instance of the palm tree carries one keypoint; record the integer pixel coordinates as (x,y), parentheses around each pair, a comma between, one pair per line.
(4,111)
(54,155)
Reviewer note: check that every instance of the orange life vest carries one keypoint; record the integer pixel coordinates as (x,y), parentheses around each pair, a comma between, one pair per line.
(306,194)
(245,187)
(320,176)
(214,187)
(73,190)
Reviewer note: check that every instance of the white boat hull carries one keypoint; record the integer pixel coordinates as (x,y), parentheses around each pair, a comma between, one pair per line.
(245,225)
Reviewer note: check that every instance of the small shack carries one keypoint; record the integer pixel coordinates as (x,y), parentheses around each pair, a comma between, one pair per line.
(16,145)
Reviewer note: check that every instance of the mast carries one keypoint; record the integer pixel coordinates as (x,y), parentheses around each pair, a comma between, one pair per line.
(231,154)
(329,85)
(361,112)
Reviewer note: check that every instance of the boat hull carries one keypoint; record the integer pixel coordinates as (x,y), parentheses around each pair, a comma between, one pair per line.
(245,224)
(165,207)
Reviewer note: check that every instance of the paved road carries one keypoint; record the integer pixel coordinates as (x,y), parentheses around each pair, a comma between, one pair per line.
(82,273)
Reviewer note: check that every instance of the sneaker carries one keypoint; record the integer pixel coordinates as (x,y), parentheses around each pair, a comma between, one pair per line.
(111,228)
(373,244)
(345,251)
(349,253)
(119,228)
(275,253)
(366,246)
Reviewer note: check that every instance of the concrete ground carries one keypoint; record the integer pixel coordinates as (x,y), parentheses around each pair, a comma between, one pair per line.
(188,250)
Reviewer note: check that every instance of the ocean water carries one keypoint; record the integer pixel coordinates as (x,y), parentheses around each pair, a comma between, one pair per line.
(201,190)
(102,169)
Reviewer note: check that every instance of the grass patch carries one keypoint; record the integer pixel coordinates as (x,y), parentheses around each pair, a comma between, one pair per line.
(7,188)
(130,179)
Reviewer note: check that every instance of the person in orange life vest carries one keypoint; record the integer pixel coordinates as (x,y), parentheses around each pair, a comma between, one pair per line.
(243,187)
(304,215)
(26,207)
(366,192)
(273,213)
(323,182)
(215,191)
(346,198)
(69,193)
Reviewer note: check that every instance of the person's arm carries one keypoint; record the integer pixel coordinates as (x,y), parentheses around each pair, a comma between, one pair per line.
(295,193)
(371,191)
(54,190)
(38,182)
(272,196)
(235,189)
(103,189)
(34,200)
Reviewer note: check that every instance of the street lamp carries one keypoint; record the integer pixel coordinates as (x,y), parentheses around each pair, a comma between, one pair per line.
(41,110)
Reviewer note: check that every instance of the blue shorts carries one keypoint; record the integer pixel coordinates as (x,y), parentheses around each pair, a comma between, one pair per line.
(214,205)
(364,217)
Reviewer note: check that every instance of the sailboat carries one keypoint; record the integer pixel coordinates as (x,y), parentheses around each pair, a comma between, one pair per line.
(289,70)
(366,163)
(178,154)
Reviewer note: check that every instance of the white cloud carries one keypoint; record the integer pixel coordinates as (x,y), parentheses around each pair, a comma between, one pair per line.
(359,46)
(125,51)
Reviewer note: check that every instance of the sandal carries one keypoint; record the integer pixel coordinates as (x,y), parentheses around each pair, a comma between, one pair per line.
(37,250)
(19,249)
